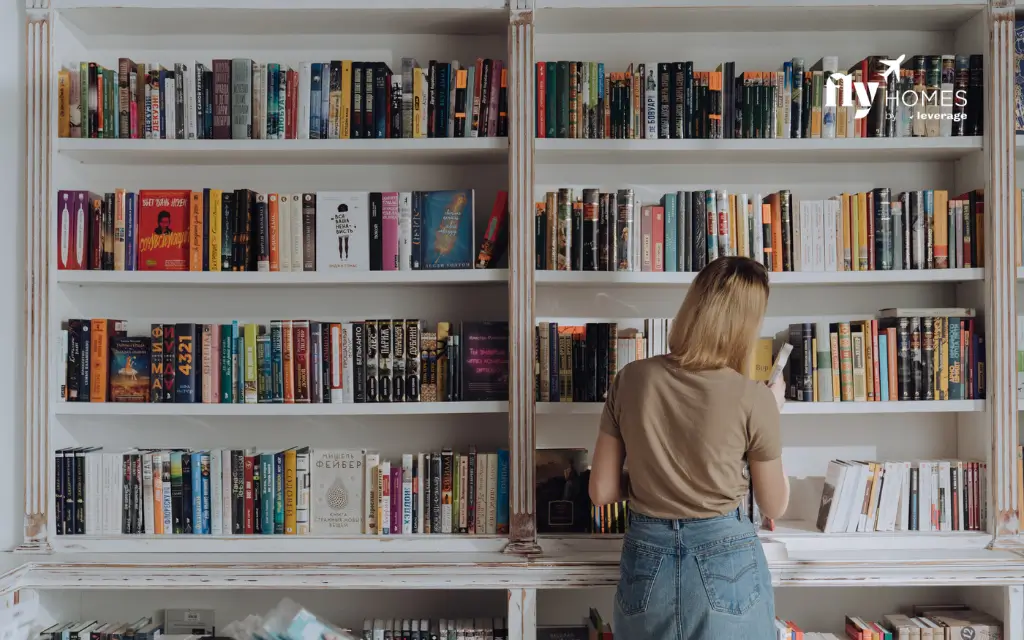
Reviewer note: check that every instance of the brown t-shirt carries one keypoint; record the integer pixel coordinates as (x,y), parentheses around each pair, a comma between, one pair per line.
(687,434)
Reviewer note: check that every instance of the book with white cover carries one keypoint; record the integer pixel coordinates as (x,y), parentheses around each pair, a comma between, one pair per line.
(337,491)
(342,231)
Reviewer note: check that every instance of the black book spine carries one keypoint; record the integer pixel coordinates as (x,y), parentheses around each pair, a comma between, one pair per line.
(666,104)
(435,494)
(58,491)
(85,362)
(170,361)
(413,373)
(903,357)
(325,362)
(395,124)
(432,71)
(928,358)
(540,227)
(358,362)
(262,243)
(369,72)
(257,496)
(80,496)
(185,363)
(698,222)
(593,347)
(137,503)
(197,74)
(176,497)
(786,207)
(356,108)
(604,245)
(376,232)
(186,493)
(590,231)
(309,232)
(486,87)
(227,231)
(576,247)
(384,360)
(976,92)
(603,331)
(70,491)
(238,492)
(808,361)
(916,356)
(502,84)
(381,88)
(74,361)
(126,493)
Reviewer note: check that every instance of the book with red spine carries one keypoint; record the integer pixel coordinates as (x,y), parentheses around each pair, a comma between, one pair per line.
(163,233)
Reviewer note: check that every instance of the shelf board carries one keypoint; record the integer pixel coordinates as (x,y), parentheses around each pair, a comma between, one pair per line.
(285,152)
(280,544)
(284,17)
(612,278)
(803,408)
(618,152)
(670,16)
(272,410)
(301,279)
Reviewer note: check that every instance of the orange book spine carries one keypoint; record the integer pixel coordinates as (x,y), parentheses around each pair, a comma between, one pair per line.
(195,241)
(99,350)
(287,361)
(274,225)
(776,232)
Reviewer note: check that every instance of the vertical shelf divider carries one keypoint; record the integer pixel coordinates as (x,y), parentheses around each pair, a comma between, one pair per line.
(522,410)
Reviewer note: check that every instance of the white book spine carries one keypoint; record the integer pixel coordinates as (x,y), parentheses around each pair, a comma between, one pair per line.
(818,243)
(724,243)
(107,488)
(171,126)
(807,237)
(755,214)
(492,493)
(419,497)
(216,493)
(305,72)
(829,64)
(190,101)
(337,360)
(405,231)
(302,487)
(93,499)
(830,231)
(650,100)
(384,498)
(147,492)
(371,488)
(296,220)
(903,508)
(284,232)
(347,379)
(227,526)
(787,113)
(407,493)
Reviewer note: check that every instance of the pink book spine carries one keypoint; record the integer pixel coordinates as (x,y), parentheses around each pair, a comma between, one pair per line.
(492,109)
(389,241)
(396,499)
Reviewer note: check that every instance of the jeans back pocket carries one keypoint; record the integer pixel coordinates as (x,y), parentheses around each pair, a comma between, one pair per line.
(638,569)
(730,574)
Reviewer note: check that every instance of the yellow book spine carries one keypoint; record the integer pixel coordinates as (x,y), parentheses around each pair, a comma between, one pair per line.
(846,242)
(940,247)
(862,232)
(215,228)
(345,126)
(250,394)
(833,339)
(417,88)
(195,247)
(64,104)
(290,502)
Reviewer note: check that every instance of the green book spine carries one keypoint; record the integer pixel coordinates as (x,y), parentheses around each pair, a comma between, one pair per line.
(550,106)
(227,395)
(267,500)
(279,493)
(562,99)
(251,364)
(671,242)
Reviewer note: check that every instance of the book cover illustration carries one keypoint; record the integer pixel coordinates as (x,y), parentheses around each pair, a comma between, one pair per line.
(130,369)
(447,240)
(337,492)
(563,504)
(485,361)
(342,234)
(163,230)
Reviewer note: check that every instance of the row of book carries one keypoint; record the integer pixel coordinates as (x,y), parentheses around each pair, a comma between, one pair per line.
(458,629)
(944,495)
(298,491)
(685,230)
(291,361)
(937,95)
(242,99)
(244,230)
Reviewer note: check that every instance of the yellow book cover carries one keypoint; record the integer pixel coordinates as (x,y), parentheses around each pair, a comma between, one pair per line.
(845,361)
(251,331)
(64,103)
(215,228)
(195,228)
(833,339)
(345,125)
(290,502)
(940,243)
(862,232)
(417,106)
(846,240)
(860,382)
(760,366)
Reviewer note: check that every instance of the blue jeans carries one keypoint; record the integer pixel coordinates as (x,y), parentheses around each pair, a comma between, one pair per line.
(699,579)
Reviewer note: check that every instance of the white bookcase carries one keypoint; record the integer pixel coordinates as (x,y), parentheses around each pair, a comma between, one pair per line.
(527,578)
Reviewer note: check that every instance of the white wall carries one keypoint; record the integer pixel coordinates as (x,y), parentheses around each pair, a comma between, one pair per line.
(12,272)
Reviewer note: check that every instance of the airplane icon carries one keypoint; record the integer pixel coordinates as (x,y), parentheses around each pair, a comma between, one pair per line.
(893,66)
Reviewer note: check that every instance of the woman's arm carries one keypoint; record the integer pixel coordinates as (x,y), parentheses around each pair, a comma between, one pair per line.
(771,486)
(607,481)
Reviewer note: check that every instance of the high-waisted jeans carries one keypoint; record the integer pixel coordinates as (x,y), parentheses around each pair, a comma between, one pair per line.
(693,579)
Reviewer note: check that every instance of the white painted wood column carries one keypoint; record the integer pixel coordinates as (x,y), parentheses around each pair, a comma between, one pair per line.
(1000,269)
(522,614)
(39,107)
(522,410)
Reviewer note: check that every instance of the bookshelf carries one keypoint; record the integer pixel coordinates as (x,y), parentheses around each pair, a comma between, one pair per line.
(617,32)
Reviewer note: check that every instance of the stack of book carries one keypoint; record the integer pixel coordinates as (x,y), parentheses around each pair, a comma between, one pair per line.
(294,361)
(460,629)
(685,230)
(935,95)
(945,495)
(244,230)
(298,491)
(242,99)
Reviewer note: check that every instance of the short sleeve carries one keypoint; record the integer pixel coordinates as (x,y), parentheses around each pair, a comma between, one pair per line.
(610,415)
(764,440)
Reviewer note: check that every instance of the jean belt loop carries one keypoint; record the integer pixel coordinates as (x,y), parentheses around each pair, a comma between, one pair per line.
(675,525)
(739,514)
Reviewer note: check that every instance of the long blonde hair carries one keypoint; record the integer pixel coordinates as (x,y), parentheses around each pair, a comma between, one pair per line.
(718,322)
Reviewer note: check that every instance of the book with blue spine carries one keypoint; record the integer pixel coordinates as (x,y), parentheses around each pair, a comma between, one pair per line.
(671,242)
(204,473)
(130,233)
(267,500)
(227,395)
(883,365)
(236,396)
(447,229)
(197,493)
(501,507)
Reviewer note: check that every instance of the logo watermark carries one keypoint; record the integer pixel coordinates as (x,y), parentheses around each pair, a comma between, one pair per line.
(861,95)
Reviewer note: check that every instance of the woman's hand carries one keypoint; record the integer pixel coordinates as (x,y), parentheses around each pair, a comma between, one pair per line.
(779,391)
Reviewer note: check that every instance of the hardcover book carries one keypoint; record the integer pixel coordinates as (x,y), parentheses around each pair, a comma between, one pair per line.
(163,230)
(563,505)
(447,230)
(342,231)
(485,361)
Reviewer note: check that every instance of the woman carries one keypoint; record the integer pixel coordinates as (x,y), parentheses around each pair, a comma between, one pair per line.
(689,422)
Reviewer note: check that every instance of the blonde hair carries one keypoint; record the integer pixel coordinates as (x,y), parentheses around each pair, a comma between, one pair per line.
(718,322)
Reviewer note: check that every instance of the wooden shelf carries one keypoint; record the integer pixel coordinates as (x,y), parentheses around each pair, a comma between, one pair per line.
(274,410)
(803,408)
(285,152)
(609,278)
(736,16)
(280,544)
(303,279)
(284,17)
(619,152)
